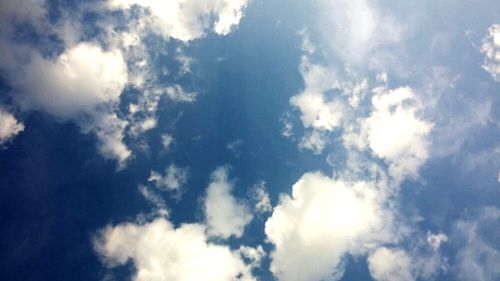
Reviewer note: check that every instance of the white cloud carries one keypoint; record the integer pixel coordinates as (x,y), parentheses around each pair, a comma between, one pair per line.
(167,141)
(161,252)
(173,180)
(186,20)
(177,93)
(9,126)
(316,111)
(253,254)
(109,130)
(479,256)
(184,61)
(435,240)
(387,264)
(324,220)
(83,84)
(394,131)
(491,51)
(356,29)
(76,82)
(225,215)
(261,198)
(154,198)
(315,141)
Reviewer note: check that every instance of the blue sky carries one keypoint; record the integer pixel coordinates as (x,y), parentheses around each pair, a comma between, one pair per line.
(249,140)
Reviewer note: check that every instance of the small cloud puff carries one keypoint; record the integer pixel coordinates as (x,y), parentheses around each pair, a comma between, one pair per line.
(9,126)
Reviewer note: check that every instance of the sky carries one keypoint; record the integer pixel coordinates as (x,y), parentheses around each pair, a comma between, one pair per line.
(249,140)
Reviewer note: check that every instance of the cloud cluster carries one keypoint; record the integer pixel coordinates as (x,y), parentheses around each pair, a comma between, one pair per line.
(386,140)
(161,251)
(79,78)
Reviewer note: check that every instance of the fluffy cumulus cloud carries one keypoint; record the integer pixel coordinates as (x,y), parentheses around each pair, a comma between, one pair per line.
(74,83)
(83,84)
(394,131)
(225,215)
(159,251)
(479,255)
(9,126)
(491,51)
(323,220)
(185,20)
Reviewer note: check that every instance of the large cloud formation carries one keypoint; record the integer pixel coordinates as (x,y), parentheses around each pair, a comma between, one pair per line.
(355,211)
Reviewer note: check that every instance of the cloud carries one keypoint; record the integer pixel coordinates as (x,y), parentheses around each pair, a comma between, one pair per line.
(173,180)
(316,111)
(167,141)
(355,212)
(491,51)
(185,20)
(74,83)
(261,197)
(9,126)
(394,131)
(225,215)
(478,256)
(323,220)
(356,30)
(177,93)
(387,264)
(83,84)
(154,198)
(435,240)
(315,141)
(22,10)
(253,254)
(159,251)
(73,77)
(235,147)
